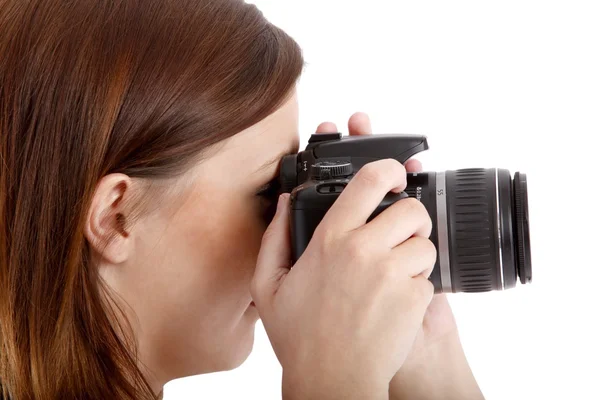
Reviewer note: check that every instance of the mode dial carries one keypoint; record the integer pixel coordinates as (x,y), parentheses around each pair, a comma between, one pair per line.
(331,169)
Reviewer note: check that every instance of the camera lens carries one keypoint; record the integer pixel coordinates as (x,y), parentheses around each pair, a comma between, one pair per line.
(480,227)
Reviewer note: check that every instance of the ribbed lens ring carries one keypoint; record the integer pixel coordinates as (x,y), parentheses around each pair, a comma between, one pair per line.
(521,218)
(473,245)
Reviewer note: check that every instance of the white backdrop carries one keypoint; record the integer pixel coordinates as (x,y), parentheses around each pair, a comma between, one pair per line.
(512,84)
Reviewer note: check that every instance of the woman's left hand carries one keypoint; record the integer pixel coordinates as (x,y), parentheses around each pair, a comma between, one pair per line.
(437,367)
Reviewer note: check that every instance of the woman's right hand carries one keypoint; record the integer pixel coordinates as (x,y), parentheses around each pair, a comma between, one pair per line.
(344,318)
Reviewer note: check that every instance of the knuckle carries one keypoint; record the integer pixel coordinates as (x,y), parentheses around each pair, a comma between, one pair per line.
(325,235)
(427,222)
(356,253)
(389,272)
(357,249)
(381,173)
(431,252)
(426,253)
(418,209)
(425,246)
(428,225)
(398,168)
(393,164)
(414,205)
(371,175)
(422,290)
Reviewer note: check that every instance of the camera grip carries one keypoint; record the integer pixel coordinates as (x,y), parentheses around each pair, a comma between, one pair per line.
(304,222)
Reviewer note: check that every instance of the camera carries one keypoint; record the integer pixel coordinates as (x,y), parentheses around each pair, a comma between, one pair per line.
(480,216)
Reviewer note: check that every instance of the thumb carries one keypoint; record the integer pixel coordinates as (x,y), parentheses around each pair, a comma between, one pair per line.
(273,261)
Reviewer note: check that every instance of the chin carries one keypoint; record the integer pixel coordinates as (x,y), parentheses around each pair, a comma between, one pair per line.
(240,350)
(236,348)
(226,352)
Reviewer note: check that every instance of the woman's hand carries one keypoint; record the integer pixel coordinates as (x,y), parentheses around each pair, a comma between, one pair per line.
(436,367)
(344,318)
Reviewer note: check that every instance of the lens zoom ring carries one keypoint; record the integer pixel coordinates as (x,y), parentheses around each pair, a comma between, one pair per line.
(473,240)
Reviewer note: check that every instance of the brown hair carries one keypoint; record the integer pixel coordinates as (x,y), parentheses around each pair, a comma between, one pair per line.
(89,88)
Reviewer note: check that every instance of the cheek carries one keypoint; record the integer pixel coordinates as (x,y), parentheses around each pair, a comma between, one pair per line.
(226,243)
(192,290)
(241,237)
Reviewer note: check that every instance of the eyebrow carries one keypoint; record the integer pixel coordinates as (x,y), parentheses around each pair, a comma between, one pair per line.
(276,159)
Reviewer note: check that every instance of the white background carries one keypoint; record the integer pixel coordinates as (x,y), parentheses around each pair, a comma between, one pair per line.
(509,84)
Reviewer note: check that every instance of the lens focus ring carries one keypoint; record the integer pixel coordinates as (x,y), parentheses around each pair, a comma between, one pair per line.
(473,244)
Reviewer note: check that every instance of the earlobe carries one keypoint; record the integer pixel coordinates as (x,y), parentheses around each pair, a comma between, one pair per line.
(105,226)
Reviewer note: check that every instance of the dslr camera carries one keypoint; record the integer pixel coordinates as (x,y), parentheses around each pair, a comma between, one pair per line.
(480,216)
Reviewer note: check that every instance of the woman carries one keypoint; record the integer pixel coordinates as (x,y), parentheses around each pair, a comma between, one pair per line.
(140,142)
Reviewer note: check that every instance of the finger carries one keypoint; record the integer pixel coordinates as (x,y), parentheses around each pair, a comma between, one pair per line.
(416,257)
(363,194)
(359,124)
(413,165)
(398,222)
(327,127)
(424,289)
(273,261)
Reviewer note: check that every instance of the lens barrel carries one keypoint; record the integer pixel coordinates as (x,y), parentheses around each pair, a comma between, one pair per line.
(480,227)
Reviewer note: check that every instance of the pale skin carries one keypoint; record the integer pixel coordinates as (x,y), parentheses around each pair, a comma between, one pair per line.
(185,269)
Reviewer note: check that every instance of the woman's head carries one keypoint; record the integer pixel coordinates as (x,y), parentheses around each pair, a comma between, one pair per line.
(136,138)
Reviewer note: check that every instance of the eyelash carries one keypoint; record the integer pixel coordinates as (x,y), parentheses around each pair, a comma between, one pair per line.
(269,190)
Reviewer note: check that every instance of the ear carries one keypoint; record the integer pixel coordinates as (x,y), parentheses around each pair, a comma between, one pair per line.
(106,217)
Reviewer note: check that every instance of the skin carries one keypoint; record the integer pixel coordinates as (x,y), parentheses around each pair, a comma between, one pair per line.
(183,285)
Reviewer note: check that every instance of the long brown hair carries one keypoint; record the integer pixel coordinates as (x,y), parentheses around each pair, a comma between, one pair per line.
(89,88)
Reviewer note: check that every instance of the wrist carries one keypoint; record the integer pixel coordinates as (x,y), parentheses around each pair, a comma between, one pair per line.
(440,371)
(315,384)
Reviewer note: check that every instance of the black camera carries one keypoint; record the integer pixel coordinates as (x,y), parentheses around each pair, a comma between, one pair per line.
(480,216)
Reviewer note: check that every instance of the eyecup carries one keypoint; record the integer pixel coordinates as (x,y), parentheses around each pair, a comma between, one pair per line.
(288,175)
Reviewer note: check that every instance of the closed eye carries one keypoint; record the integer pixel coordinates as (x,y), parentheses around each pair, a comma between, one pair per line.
(269,190)
(267,195)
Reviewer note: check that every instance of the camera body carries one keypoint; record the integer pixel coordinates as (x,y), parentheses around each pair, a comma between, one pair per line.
(325,168)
